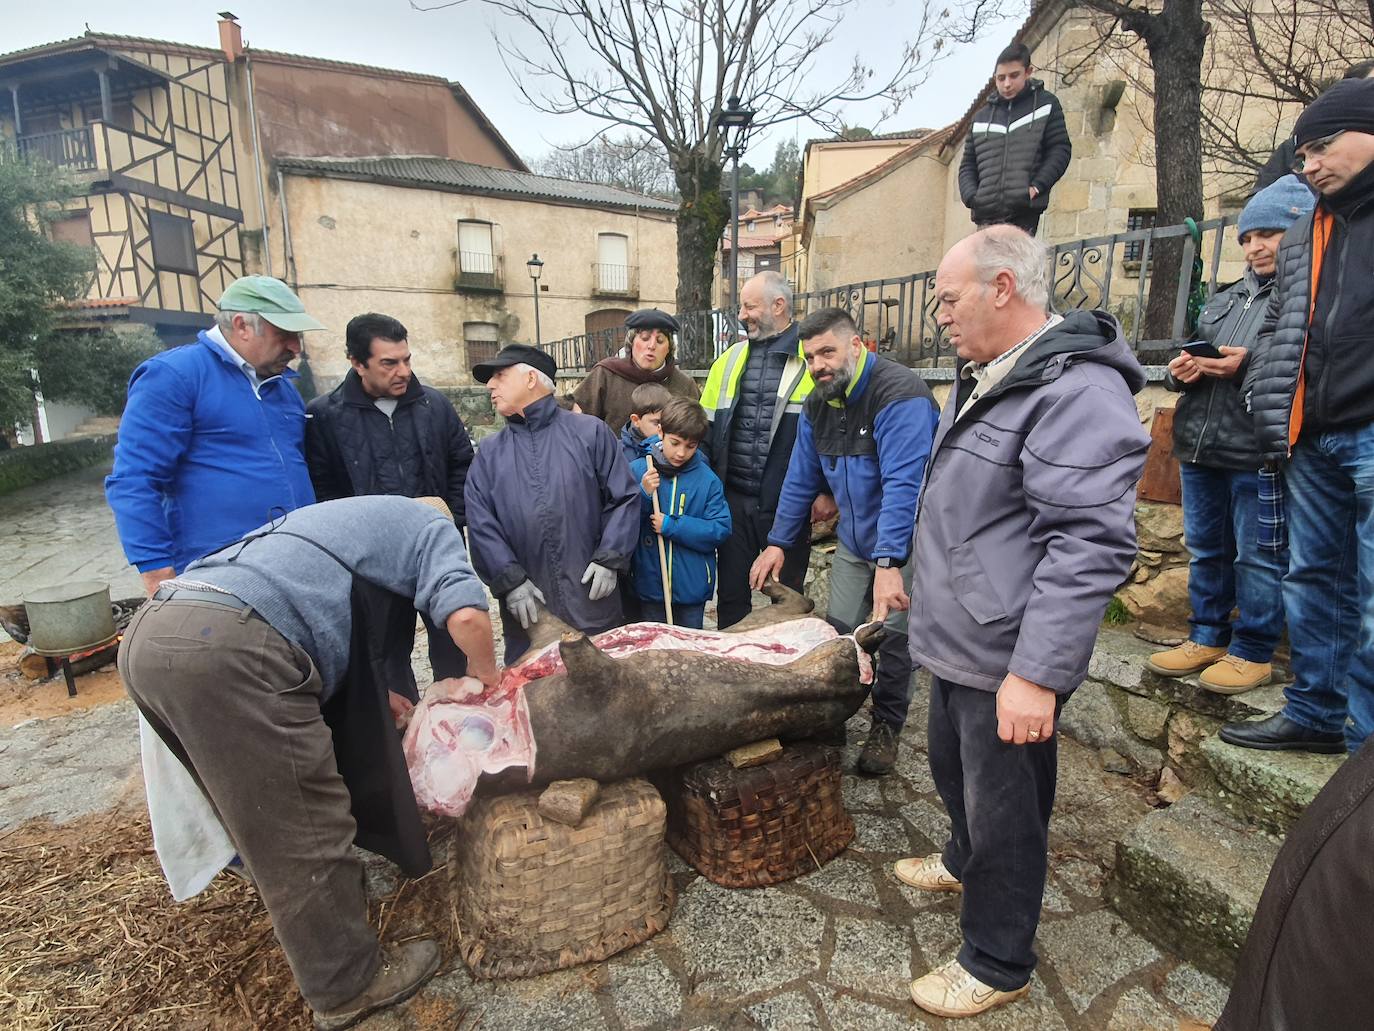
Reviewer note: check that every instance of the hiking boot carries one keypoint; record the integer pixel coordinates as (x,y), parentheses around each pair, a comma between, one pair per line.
(928,874)
(951,991)
(1232,675)
(404,969)
(880,750)
(1188,658)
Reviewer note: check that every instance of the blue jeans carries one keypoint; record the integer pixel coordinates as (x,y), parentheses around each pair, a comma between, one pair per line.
(1329,590)
(1229,569)
(683,614)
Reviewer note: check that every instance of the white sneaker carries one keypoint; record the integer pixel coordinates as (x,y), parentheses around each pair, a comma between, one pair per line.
(951,991)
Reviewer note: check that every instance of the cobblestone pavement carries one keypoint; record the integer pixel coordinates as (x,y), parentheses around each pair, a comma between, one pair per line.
(58,531)
(833,950)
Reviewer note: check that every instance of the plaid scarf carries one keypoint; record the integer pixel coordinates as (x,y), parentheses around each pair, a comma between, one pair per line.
(1273,526)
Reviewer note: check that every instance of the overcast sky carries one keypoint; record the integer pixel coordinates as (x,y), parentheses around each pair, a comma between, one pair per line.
(456,42)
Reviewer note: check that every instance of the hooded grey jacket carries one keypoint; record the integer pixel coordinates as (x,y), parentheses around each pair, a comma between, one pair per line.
(1026,520)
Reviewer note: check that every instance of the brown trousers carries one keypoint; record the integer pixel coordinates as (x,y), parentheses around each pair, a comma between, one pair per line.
(240,705)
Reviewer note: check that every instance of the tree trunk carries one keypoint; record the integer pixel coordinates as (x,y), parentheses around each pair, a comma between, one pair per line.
(1175,39)
(701,217)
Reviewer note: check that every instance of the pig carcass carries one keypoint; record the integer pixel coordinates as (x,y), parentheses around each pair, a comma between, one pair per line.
(638,698)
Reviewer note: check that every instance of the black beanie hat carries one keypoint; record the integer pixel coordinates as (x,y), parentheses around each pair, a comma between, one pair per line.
(1348,106)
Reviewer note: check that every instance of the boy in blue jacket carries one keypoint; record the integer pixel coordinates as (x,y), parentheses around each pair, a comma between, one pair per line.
(642,429)
(694,518)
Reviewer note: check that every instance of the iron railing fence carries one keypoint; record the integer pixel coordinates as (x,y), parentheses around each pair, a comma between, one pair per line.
(1112,272)
(705,334)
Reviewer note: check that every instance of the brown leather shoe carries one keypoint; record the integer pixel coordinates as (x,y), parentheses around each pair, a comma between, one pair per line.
(1185,660)
(879,753)
(951,991)
(405,968)
(1233,675)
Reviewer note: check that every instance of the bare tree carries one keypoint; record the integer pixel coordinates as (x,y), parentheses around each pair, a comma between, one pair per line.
(666,68)
(1174,33)
(1265,63)
(634,163)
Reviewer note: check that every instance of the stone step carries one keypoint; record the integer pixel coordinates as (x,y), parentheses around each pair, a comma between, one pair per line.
(1268,789)
(1189,878)
(96,426)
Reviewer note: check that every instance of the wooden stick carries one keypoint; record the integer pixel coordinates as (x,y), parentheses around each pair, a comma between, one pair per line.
(663,567)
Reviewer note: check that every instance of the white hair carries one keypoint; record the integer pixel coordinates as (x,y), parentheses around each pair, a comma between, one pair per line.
(1010,250)
(543,380)
(225,321)
(775,285)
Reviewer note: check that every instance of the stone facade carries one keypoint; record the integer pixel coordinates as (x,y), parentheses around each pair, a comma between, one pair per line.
(368,246)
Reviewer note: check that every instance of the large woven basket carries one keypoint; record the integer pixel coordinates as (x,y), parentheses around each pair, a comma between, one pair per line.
(760,825)
(532,895)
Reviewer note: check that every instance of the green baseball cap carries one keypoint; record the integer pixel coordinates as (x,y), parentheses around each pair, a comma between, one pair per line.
(270,298)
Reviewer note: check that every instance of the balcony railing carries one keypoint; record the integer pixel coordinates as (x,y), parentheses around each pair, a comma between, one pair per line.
(898,315)
(67,148)
(615,280)
(479,270)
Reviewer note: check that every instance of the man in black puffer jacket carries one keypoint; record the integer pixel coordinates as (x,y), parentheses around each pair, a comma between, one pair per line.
(381,431)
(1311,386)
(1214,440)
(1017,148)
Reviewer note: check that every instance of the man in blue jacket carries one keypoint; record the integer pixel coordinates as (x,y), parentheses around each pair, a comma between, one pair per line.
(553,512)
(212,441)
(864,436)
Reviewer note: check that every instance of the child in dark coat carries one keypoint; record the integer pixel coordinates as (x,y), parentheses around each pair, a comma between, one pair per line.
(694,519)
(642,428)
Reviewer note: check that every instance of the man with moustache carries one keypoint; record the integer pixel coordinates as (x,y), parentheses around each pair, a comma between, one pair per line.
(382,431)
(864,436)
(1311,387)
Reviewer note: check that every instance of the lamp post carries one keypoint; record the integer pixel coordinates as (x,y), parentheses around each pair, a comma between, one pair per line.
(737,118)
(536,268)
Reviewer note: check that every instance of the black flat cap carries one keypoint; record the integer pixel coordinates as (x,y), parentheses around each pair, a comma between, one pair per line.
(652,318)
(516,354)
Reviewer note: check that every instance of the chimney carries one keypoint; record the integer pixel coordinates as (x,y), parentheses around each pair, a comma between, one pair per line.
(230,36)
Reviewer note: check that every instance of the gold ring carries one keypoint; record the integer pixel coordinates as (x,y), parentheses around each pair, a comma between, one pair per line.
(1034,735)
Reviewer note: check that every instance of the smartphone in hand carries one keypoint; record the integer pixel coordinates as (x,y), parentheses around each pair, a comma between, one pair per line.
(1201,349)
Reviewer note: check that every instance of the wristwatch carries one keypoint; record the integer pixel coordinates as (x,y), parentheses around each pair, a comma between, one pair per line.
(887,562)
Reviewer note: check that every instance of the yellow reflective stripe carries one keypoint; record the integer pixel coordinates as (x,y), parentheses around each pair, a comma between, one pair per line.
(722,382)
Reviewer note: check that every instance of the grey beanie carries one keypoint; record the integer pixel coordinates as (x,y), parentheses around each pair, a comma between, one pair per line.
(1277,206)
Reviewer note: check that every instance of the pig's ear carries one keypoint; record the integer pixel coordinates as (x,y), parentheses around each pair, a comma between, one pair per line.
(588,665)
(870,635)
(546,629)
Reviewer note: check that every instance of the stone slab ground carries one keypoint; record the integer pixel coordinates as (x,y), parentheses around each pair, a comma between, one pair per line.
(832,950)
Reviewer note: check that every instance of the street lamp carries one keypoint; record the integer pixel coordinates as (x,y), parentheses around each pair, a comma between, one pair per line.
(536,268)
(737,118)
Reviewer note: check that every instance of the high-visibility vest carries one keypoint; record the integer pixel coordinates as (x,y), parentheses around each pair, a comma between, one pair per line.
(721,392)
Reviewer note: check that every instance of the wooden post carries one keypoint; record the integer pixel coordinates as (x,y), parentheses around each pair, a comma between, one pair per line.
(663,568)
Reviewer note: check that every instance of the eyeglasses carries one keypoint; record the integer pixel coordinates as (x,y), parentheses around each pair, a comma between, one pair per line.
(1315,149)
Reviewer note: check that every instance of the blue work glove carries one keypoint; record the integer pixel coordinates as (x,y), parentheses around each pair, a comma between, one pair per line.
(602,581)
(523,603)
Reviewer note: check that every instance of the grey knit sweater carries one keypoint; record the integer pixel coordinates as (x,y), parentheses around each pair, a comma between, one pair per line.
(397,543)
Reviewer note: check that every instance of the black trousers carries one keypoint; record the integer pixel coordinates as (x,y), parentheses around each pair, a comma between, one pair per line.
(999,797)
(1027,220)
(748,537)
(446,659)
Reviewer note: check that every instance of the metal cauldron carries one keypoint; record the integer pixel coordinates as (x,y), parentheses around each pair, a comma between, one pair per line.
(70,618)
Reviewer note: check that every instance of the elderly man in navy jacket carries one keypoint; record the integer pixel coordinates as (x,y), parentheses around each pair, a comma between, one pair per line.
(553,512)
(863,436)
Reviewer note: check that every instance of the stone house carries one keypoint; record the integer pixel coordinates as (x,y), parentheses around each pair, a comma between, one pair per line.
(761,232)
(183,153)
(1109,186)
(443,246)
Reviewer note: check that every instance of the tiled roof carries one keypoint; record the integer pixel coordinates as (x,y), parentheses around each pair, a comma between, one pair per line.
(464,177)
(99,302)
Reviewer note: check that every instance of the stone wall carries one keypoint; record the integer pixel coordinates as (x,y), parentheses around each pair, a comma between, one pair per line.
(22,466)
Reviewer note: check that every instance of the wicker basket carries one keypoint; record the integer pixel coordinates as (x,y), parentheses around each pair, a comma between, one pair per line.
(761,825)
(532,895)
